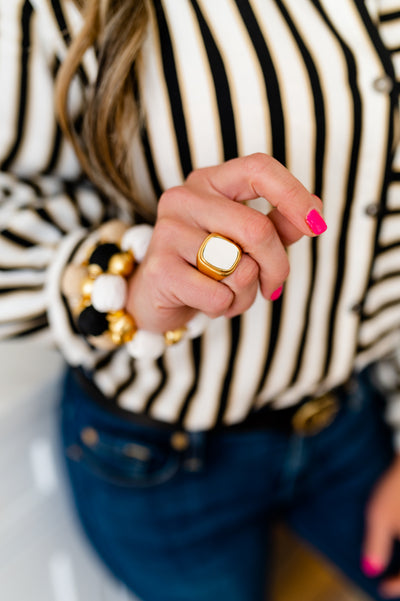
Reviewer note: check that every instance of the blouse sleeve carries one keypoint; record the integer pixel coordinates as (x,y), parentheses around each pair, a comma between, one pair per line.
(46,206)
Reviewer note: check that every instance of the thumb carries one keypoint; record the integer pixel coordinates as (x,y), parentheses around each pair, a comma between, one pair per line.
(377,548)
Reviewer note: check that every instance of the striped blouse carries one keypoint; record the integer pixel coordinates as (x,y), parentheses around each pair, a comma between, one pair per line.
(312,82)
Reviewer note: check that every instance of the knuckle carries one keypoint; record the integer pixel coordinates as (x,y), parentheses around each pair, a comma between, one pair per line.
(256,162)
(241,305)
(291,194)
(156,268)
(169,199)
(247,272)
(285,269)
(194,176)
(220,300)
(198,177)
(257,228)
(165,230)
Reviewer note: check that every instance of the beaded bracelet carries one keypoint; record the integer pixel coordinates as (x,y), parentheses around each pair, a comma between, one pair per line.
(97,292)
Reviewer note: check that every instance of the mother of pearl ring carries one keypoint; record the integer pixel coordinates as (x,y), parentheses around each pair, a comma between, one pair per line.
(218,256)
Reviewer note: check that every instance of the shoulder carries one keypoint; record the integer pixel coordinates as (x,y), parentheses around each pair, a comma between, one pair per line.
(57,22)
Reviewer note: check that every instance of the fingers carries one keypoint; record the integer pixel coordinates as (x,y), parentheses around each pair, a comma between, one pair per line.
(254,232)
(191,288)
(170,279)
(167,283)
(383,528)
(287,232)
(390,587)
(377,546)
(377,550)
(263,261)
(205,201)
(258,175)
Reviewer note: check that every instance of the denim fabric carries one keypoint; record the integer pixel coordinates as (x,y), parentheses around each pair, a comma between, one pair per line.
(194,525)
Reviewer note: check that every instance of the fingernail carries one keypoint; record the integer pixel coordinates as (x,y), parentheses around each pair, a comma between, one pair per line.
(315,222)
(276,294)
(371,568)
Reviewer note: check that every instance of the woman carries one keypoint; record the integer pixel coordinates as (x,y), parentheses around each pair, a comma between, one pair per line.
(211,391)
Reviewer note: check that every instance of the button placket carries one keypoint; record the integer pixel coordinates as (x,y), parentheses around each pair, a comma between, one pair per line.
(373,209)
(383,84)
(357,308)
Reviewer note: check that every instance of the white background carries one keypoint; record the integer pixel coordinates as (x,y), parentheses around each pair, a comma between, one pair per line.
(43,554)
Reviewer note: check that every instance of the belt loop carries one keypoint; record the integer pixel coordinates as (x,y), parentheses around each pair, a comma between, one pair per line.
(195,454)
(354,391)
(294,461)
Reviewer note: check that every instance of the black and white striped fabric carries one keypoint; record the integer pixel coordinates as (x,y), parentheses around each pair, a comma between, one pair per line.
(312,82)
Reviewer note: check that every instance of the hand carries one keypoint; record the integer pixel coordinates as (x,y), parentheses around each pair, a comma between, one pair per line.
(382,528)
(166,290)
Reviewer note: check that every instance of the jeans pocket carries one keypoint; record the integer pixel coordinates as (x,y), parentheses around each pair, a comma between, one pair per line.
(127,455)
(129,461)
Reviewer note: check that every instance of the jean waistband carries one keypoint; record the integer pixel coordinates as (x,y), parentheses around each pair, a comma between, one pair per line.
(308,416)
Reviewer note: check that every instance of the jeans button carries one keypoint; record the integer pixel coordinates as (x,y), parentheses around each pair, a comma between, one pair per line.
(179,441)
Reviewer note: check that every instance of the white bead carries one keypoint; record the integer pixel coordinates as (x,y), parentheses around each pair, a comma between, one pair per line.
(109,293)
(137,239)
(196,326)
(146,345)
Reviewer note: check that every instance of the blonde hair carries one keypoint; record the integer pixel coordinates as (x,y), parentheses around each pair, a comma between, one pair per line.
(116,29)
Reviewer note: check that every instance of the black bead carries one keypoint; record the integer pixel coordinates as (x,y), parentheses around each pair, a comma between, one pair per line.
(92,322)
(103,253)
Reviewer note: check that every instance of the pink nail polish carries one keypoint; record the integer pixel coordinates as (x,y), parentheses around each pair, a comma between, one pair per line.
(315,222)
(276,294)
(371,568)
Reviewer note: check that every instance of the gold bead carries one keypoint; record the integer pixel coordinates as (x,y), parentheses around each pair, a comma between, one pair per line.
(112,317)
(122,327)
(173,336)
(87,287)
(121,264)
(94,270)
(79,306)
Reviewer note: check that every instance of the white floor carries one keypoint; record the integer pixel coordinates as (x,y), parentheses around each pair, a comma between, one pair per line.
(43,556)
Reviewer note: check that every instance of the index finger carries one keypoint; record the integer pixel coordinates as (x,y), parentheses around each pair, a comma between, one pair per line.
(259,175)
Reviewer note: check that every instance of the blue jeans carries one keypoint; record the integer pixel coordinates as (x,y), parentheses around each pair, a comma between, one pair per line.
(194,525)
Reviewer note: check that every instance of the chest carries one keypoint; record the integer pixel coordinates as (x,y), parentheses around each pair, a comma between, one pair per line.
(285,77)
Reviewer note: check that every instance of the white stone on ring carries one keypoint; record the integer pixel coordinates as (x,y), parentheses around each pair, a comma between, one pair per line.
(218,256)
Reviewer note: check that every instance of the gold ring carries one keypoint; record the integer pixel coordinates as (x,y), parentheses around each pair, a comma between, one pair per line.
(218,256)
